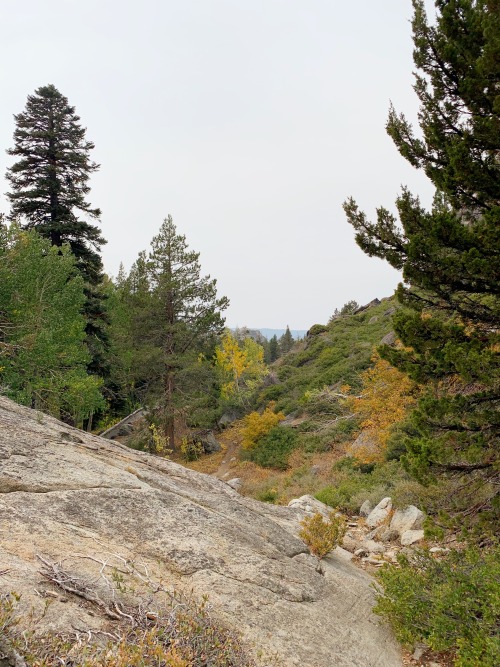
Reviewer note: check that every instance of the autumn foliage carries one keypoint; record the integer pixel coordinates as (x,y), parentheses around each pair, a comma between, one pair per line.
(240,366)
(322,535)
(256,425)
(385,398)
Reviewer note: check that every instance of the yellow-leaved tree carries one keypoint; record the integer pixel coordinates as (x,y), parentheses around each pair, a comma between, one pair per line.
(385,398)
(240,365)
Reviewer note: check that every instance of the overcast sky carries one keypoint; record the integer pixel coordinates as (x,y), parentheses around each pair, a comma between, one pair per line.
(249,121)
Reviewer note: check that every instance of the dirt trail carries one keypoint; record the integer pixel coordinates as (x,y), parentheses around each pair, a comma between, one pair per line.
(231,443)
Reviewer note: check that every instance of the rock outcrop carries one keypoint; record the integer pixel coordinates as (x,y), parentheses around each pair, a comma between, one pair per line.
(90,504)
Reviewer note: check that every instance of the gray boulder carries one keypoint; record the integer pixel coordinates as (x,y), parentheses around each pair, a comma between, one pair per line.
(386,534)
(363,445)
(380,513)
(411,518)
(209,442)
(411,537)
(228,418)
(365,508)
(307,506)
(96,507)
(389,338)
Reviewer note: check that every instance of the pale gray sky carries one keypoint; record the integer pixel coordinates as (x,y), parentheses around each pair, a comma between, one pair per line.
(250,121)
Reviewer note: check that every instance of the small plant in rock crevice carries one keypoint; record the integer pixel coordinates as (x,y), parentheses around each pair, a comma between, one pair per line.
(322,535)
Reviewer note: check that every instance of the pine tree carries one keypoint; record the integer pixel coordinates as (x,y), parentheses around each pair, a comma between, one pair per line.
(450,255)
(273,348)
(176,319)
(286,341)
(49,186)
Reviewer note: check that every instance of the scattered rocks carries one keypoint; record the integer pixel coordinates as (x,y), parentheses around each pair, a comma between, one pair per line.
(234,483)
(380,513)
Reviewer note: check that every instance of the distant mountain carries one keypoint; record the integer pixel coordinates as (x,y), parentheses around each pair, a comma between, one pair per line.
(269,333)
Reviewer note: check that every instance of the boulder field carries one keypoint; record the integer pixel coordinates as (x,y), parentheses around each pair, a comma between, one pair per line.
(98,510)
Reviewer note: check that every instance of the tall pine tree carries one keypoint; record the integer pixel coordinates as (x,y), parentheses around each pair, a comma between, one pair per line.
(49,187)
(450,255)
(189,316)
(167,319)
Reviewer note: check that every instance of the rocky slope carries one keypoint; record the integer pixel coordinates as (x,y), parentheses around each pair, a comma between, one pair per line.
(100,511)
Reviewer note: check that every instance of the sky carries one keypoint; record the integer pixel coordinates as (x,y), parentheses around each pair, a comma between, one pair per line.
(249,121)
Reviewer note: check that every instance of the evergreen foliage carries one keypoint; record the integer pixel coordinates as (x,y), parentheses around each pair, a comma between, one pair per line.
(49,186)
(449,256)
(286,341)
(273,348)
(450,603)
(50,180)
(273,448)
(349,308)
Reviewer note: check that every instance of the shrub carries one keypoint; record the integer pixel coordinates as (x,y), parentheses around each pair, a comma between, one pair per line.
(451,603)
(191,450)
(273,449)
(352,483)
(322,535)
(256,425)
(267,495)
(317,329)
(183,633)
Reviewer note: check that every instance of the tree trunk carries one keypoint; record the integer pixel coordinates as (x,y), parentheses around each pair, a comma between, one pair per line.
(169,423)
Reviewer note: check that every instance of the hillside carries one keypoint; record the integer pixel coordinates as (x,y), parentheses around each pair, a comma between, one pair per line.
(310,451)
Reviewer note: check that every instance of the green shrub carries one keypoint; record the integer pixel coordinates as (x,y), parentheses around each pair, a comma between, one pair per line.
(352,484)
(339,496)
(267,495)
(317,329)
(273,449)
(450,604)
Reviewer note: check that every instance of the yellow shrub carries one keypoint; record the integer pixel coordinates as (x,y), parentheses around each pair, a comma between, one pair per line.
(322,535)
(256,425)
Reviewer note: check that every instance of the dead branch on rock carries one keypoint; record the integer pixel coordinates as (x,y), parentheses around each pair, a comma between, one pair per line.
(53,572)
